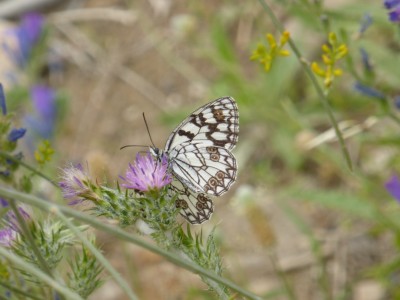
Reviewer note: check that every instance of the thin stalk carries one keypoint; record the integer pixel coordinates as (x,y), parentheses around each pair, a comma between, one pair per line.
(323,280)
(289,290)
(117,277)
(27,233)
(394,117)
(119,233)
(19,262)
(16,278)
(25,165)
(322,96)
(19,291)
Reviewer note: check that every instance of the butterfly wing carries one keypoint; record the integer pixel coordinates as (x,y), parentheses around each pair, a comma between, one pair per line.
(204,168)
(215,124)
(195,208)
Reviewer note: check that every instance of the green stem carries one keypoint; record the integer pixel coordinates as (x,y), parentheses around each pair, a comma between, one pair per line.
(289,290)
(16,278)
(25,230)
(323,98)
(25,165)
(18,291)
(69,294)
(394,117)
(117,277)
(323,280)
(117,232)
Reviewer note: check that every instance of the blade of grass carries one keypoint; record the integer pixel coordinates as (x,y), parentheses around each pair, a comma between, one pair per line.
(310,74)
(119,233)
(18,291)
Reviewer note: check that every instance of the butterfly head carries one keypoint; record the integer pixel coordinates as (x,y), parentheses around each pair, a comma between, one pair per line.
(156,152)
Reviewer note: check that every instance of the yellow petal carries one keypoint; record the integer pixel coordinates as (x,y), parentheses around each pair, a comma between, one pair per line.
(317,70)
(284,53)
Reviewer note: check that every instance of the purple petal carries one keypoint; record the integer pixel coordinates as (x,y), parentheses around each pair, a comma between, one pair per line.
(16,134)
(393,187)
(389,4)
(2,101)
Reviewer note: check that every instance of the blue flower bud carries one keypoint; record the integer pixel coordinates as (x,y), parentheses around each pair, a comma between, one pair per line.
(16,134)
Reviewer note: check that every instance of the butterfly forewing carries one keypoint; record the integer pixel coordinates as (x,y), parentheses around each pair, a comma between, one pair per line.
(196,208)
(216,124)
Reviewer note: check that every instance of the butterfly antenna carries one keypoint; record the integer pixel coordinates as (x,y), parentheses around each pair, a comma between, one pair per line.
(126,146)
(148,131)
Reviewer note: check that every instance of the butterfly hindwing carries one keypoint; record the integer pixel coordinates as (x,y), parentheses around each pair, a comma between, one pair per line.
(196,208)
(216,124)
(204,168)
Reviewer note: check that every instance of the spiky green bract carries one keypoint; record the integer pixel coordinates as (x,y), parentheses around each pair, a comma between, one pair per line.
(205,254)
(156,209)
(51,238)
(85,271)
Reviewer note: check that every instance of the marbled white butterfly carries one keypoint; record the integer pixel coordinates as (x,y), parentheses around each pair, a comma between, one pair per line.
(200,158)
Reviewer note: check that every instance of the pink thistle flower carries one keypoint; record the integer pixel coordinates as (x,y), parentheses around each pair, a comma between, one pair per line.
(7,236)
(147,173)
(76,185)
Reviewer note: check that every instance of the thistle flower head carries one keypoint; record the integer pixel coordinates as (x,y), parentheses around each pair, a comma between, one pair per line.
(12,220)
(147,173)
(11,229)
(76,185)
(7,236)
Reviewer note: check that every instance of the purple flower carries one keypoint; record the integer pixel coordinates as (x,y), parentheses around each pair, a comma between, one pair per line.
(365,60)
(365,23)
(43,121)
(369,91)
(2,101)
(394,10)
(393,187)
(147,173)
(394,16)
(3,202)
(76,185)
(7,236)
(16,133)
(27,35)
(12,219)
(397,101)
(389,4)
(9,233)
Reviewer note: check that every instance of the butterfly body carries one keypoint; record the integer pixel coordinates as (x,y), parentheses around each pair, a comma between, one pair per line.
(200,158)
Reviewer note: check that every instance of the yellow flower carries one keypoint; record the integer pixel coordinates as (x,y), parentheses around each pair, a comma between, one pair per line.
(267,55)
(332,52)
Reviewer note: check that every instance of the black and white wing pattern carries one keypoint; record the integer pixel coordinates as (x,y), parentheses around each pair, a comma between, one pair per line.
(196,208)
(200,157)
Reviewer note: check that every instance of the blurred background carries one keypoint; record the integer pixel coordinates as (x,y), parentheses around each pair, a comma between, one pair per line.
(81,73)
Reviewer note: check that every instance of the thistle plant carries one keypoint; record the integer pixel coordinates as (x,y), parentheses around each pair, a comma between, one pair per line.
(145,202)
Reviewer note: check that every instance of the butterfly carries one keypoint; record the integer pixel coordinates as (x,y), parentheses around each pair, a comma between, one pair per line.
(200,157)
